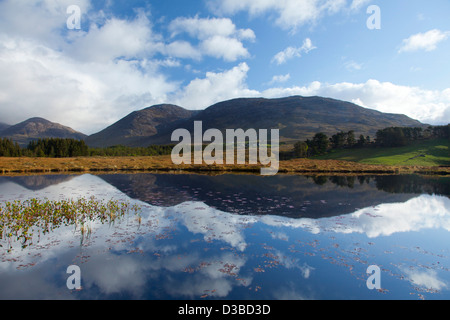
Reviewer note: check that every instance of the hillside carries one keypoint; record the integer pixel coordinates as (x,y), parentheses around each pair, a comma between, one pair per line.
(298,118)
(3,126)
(137,127)
(425,153)
(36,128)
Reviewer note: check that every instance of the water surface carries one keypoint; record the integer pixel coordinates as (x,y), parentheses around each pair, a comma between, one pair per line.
(238,237)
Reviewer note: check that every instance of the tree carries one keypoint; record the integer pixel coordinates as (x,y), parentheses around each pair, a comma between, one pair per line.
(8,148)
(392,137)
(351,141)
(60,148)
(319,144)
(362,141)
(338,140)
(301,150)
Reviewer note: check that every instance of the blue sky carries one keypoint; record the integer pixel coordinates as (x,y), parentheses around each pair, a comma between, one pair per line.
(132,54)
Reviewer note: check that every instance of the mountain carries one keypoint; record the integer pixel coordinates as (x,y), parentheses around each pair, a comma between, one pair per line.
(38,128)
(298,118)
(136,128)
(3,126)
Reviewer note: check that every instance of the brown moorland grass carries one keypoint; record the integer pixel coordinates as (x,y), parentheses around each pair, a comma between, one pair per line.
(164,163)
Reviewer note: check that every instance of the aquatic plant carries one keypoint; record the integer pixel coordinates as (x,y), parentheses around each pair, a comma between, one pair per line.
(20,220)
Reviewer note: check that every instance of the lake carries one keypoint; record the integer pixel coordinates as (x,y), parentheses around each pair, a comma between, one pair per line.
(237,237)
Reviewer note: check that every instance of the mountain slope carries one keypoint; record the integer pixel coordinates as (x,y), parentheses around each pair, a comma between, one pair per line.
(140,125)
(37,128)
(3,126)
(298,118)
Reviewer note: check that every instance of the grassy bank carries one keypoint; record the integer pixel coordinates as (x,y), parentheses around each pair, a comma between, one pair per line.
(425,154)
(11,166)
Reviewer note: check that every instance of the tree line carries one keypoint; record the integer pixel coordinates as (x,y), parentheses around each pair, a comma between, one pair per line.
(321,144)
(69,148)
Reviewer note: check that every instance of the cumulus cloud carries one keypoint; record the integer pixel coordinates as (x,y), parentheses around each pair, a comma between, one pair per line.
(215,87)
(218,37)
(427,41)
(100,44)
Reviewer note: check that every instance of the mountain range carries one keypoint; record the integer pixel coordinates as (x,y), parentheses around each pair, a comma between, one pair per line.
(298,118)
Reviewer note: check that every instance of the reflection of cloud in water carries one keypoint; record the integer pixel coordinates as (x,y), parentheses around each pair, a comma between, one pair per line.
(427,279)
(198,218)
(424,212)
(133,274)
(217,275)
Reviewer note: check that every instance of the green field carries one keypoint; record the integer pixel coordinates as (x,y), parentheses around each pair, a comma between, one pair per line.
(426,153)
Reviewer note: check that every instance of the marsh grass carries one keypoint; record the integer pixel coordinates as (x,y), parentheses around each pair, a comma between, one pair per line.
(21,221)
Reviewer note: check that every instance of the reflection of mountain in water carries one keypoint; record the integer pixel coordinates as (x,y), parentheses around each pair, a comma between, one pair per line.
(414,184)
(37,182)
(286,195)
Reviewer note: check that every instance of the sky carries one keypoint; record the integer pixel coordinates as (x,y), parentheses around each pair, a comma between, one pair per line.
(88,63)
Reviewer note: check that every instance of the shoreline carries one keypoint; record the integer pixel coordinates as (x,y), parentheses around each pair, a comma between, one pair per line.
(24,165)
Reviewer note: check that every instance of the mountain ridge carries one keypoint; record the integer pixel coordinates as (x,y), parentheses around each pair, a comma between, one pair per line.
(297,118)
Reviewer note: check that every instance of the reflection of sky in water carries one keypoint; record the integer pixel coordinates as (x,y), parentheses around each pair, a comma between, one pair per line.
(194,251)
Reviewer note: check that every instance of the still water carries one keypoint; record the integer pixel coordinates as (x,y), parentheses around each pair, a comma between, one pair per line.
(238,237)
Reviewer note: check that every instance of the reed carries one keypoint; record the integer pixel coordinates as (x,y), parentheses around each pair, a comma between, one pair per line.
(21,220)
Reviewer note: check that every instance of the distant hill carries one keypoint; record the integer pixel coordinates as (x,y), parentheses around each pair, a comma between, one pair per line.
(38,128)
(136,128)
(3,126)
(298,118)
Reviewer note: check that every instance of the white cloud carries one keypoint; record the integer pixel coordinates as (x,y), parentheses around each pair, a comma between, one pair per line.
(215,87)
(358,4)
(427,41)
(427,279)
(207,28)
(182,49)
(218,37)
(293,52)
(39,20)
(229,49)
(100,43)
(280,78)
(290,14)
